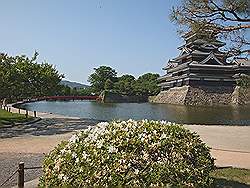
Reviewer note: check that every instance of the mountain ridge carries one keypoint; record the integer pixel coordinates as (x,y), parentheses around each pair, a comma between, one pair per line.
(72,84)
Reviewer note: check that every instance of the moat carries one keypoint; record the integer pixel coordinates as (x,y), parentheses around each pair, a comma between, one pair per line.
(227,115)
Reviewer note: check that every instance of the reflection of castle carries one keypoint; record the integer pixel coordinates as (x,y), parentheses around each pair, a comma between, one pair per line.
(200,69)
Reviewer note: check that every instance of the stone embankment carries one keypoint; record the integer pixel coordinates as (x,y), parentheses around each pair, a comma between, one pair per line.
(188,95)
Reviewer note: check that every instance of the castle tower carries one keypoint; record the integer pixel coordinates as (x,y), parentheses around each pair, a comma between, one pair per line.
(200,69)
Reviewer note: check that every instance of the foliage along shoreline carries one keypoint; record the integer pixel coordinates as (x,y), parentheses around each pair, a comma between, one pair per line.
(23,77)
(105,78)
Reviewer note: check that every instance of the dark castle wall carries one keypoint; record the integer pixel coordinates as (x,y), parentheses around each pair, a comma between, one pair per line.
(204,95)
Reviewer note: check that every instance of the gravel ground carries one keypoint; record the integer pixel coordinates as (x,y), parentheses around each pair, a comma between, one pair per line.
(9,163)
(27,143)
(48,126)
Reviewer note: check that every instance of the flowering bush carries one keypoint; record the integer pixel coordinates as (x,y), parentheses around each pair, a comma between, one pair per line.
(129,153)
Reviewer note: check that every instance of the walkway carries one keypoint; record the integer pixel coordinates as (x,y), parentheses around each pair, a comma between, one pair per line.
(230,144)
(29,143)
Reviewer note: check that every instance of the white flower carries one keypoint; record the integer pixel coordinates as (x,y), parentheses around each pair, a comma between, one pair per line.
(77,160)
(112,149)
(102,124)
(136,171)
(99,143)
(81,169)
(74,155)
(142,139)
(74,138)
(60,176)
(163,136)
(154,131)
(65,178)
(163,122)
(63,151)
(57,166)
(84,155)
(122,161)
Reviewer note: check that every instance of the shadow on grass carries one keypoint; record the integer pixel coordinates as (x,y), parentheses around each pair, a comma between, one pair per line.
(224,183)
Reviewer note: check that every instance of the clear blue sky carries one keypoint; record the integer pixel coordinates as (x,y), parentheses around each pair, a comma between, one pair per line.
(132,36)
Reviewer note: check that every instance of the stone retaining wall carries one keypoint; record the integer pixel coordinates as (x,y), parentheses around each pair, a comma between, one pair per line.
(175,95)
(204,95)
(241,96)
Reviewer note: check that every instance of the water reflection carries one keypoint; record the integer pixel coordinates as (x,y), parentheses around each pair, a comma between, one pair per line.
(176,113)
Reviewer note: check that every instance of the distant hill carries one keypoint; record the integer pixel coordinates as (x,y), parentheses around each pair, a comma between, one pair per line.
(73,84)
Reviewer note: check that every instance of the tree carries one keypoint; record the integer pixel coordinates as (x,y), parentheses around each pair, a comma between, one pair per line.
(85,91)
(74,92)
(108,85)
(23,77)
(227,19)
(147,85)
(124,85)
(64,90)
(99,77)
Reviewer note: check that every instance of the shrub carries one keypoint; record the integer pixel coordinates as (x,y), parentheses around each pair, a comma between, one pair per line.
(130,153)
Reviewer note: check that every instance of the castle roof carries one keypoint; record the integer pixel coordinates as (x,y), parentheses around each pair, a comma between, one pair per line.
(241,62)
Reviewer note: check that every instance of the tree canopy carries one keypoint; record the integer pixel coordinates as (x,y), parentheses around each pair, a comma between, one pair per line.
(124,85)
(105,78)
(100,76)
(23,77)
(227,19)
(147,85)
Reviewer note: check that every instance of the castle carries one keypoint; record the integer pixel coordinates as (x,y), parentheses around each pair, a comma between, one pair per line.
(200,75)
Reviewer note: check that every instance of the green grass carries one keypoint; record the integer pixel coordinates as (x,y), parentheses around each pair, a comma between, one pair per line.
(231,178)
(7,118)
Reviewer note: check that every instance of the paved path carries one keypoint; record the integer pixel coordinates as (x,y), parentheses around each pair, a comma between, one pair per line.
(230,144)
(29,143)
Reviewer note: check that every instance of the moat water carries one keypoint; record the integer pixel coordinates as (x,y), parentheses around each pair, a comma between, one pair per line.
(176,113)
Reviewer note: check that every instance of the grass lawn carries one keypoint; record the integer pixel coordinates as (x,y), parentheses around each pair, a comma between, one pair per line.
(7,118)
(231,178)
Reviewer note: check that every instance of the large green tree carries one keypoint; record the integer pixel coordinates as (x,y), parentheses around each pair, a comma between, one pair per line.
(100,76)
(124,85)
(105,78)
(227,19)
(147,85)
(22,77)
